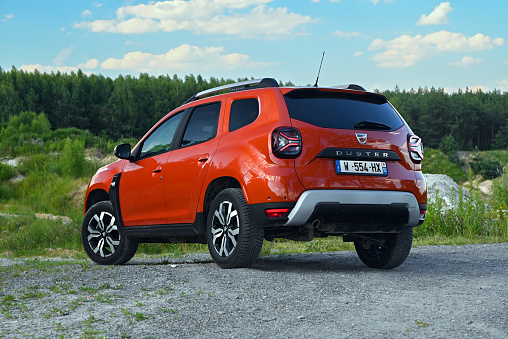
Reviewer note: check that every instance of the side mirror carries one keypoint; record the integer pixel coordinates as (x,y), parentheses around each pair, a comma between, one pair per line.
(123,151)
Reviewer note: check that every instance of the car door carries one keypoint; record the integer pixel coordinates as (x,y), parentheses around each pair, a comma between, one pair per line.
(188,163)
(142,182)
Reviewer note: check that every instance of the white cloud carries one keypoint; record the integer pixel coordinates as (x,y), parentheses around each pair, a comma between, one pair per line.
(474,88)
(48,69)
(202,17)
(89,64)
(62,56)
(503,84)
(439,15)
(466,62)
(97,4)
(86,12)
(8,17)
(347,34)
(184,58)
(357,54)
(406,50)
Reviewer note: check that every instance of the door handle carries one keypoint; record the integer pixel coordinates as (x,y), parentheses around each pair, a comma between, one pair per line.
(157,169)
(203,157)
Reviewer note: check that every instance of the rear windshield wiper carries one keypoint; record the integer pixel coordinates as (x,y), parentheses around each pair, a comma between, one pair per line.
(371,125)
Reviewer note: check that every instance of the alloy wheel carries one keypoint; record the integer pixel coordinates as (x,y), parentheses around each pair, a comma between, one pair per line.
(103,236)
(225,228)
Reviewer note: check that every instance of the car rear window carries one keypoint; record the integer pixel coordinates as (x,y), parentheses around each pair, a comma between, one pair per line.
(327,109)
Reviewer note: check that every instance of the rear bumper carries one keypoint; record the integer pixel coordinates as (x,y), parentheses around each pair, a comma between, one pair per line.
(356,207)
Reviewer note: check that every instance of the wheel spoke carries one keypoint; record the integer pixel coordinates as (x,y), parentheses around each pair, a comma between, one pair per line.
(99,223)
(232,238)
(228,213)
(99,248)
(223,247)
(220,217)
(232,215)
(93,233)
(111,227)
(217,232)
(112,243)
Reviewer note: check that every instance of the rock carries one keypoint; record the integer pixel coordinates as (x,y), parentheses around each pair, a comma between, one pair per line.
(447,189)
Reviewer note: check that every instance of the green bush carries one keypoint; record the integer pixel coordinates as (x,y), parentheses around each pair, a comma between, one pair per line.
(6,172)
(27,235)
(472,218)
(23,134)
(72,160)
(499,198)
(488,168)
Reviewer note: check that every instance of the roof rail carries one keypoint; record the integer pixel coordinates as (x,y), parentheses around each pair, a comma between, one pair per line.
(238,86)
(351,86)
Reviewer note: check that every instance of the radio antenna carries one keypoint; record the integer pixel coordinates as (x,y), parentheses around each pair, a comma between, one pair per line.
(317,79)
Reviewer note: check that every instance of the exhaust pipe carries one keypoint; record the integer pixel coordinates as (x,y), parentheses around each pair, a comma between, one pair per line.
(316,223)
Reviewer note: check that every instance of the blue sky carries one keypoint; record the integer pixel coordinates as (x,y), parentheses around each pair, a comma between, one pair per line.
(375,43)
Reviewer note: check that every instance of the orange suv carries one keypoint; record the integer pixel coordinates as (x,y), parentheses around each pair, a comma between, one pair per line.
(250,161)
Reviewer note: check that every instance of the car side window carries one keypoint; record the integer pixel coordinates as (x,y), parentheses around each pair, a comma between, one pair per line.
(160,140)
(243,112)
(202,125)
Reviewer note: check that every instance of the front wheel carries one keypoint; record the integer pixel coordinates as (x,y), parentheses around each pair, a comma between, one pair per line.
(233,239)
(385,250)
(101,239)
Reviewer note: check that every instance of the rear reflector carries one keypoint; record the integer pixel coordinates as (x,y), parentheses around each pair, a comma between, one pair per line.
(423,213)
(276,212)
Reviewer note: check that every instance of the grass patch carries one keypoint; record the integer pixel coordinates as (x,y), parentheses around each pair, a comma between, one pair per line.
(436,162)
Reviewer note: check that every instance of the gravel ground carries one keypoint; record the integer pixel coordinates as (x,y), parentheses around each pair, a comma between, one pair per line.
(439,292)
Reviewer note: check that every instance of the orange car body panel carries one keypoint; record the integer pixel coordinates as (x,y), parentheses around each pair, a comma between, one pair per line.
(141,191)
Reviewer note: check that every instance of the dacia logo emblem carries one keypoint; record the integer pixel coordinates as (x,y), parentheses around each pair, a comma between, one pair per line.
(362,138)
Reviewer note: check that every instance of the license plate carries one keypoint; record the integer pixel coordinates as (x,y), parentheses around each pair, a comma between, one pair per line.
(361,167)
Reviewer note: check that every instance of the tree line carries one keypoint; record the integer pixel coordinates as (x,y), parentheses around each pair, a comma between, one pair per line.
(128,106)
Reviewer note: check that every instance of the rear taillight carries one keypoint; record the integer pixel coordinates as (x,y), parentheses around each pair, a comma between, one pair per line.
(415,148)
(286,142)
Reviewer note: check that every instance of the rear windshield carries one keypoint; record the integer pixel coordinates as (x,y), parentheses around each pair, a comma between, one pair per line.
(342,110)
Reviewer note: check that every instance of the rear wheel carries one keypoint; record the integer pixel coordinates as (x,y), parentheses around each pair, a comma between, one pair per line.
(233,239)
(101,239)
(385,250)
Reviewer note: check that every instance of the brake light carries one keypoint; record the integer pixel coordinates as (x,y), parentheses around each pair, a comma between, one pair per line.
(286,142)
(415,148)
(276,212)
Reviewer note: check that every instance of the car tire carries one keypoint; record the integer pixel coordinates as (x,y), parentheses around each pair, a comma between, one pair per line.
(101,238)
(233,239)
(391,254)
